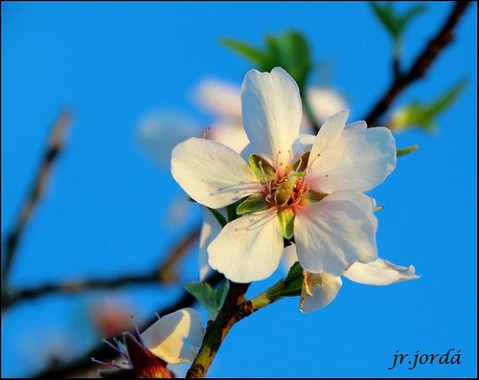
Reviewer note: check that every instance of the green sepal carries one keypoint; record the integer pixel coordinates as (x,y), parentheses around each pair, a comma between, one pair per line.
(209,298)
(231,211)
(253,203)
(261,168)
(293,283)
(405,151)
(286,221)
(219,218)
(312,197)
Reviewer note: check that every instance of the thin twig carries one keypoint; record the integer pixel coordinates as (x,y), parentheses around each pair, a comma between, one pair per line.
(76,287)
(164,275)
(103,352)
(168,269)
(52,151)
(420,66)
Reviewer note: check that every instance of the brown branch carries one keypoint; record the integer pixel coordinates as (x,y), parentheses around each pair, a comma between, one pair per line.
(235,309)
(230,313)
(53,149)
(105,353)
(163,274)
(420,66)
(76,287)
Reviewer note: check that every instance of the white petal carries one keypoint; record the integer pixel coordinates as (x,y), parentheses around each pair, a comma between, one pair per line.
(166,337)
(289,257)
(328,136)
(211,173)
(360,160)
(248,248)
(333,130)
(160,131)
(209,231)
(307,141)
(356,126)
(379,272)
(219,97)
(318,291)
(230,134)
(272,113)
(336,232)
(324,102)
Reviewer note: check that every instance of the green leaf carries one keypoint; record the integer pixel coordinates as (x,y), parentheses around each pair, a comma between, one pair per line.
(220,294)
(385,14)
(405,151)
(253,203)
(286,221)
(416,114)
(201,291)
(410,14)
(289,50)
(261,168)
(394,22)
(446,100)
(210,299)
(244,49)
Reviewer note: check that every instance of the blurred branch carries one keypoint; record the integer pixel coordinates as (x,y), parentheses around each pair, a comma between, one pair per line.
(168,269)
(163,274)
(103,352)
(53,149)
(421,64)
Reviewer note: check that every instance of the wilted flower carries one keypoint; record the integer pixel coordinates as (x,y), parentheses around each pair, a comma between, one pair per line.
(160,344)
(284,191)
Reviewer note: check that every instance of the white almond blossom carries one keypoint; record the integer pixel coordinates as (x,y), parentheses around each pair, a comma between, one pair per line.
(166,337)
(163,343)
(159,131)
(312,197)
(324,102)
(223,99)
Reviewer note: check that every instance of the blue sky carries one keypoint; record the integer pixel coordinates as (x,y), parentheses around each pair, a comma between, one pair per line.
(106,206)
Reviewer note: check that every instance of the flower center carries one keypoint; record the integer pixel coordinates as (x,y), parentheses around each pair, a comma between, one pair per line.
(286,191)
